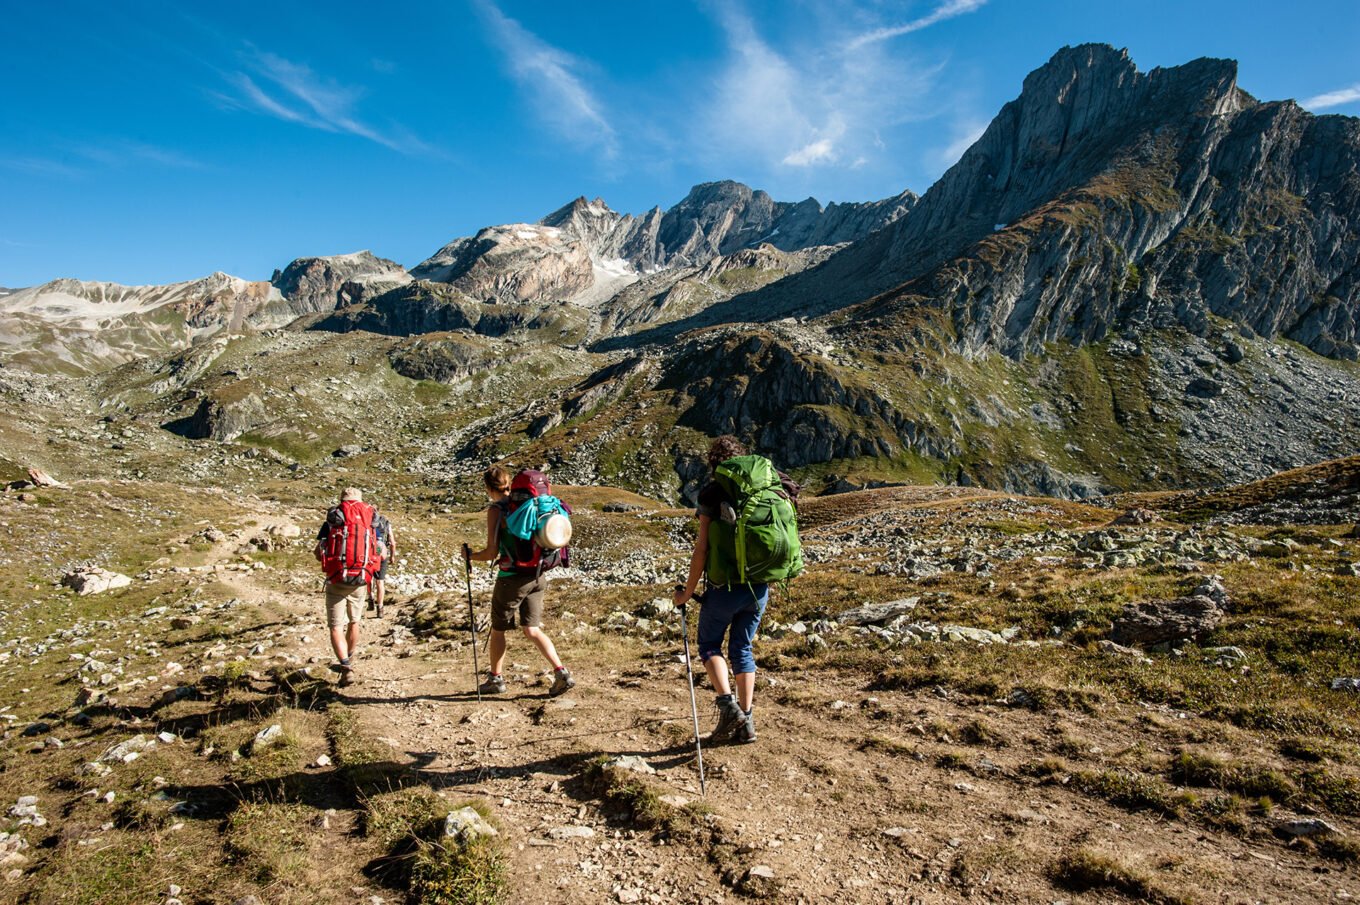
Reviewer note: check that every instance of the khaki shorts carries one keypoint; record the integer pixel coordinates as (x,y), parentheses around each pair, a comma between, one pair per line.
(344,604)
(517,601)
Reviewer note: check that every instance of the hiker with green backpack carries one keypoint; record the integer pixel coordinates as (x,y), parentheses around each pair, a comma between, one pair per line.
(748,539)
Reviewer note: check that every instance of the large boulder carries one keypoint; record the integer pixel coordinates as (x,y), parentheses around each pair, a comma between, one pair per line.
(94,580)
(1168,621)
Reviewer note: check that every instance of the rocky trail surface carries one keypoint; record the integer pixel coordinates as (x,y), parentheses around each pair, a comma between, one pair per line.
(880,774)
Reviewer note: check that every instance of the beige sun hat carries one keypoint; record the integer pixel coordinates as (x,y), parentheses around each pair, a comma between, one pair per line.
(352,493)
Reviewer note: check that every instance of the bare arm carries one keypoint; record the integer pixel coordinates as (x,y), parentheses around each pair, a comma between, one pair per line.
(697,560)
(493,525)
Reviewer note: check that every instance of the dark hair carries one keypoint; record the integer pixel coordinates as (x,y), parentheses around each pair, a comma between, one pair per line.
(724,448)
(496,478)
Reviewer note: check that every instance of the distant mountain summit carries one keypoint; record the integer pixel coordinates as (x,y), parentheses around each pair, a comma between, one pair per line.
(584,250)
(1105,199)
(312,285)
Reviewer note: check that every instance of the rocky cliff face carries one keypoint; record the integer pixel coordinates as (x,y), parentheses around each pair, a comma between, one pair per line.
(1105,200)
(314,285)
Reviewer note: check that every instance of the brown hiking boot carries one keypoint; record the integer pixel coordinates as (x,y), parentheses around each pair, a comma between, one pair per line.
(347,676)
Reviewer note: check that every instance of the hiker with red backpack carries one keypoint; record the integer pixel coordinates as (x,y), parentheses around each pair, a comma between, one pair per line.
(350,554)
(748,538)
(520,538)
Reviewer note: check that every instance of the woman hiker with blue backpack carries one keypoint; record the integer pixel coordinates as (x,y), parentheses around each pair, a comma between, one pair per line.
(520,504)
(748,537)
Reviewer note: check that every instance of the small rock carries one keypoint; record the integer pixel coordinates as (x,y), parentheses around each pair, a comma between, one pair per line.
(266,738)
(1346,684)
(629,762)
(1310,826)
(571,832)
(465,825)
(759,881)
(322,760)
(878,613)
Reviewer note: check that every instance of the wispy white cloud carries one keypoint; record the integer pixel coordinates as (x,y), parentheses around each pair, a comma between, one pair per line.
(119,152)
(552,78)
(947,10)
(809,104)
(41,166)
(293,92)
(1333,98)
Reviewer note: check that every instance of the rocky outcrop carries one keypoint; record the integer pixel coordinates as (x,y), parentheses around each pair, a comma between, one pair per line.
(1156,622)
(426,307)
(221,419)
(449,358)
(789,402)
(314,285)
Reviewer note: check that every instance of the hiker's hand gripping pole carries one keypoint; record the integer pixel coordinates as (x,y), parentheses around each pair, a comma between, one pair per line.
(472,621)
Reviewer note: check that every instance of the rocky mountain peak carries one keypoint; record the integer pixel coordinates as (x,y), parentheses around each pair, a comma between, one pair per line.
(579,208)
(313,285)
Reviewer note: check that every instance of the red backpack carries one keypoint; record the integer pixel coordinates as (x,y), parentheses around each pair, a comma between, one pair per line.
(525,555)
(350,551)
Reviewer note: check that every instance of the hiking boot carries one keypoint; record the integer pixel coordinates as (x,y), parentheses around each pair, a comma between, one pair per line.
(561,682)
(731,718)
(492,685)
(746,732)
(378,610)
(347,676)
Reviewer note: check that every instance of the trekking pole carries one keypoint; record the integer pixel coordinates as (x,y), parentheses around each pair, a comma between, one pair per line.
(693,704)
(472,621)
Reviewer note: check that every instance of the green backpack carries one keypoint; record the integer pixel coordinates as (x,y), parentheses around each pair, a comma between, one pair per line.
(761,546)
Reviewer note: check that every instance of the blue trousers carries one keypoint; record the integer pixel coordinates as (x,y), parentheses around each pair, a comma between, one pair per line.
(740,609)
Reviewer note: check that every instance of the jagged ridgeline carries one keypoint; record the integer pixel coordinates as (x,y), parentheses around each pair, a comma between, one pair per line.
(1131,280)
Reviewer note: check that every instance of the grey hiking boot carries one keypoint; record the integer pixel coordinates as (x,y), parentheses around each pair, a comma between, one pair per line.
(561,682)
(347,676)
(494,684)
(731,719)
(746,732)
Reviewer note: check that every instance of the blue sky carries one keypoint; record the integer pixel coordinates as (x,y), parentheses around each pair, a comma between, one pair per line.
(148,142)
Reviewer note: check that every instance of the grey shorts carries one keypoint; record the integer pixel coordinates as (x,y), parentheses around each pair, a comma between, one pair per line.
(517,601)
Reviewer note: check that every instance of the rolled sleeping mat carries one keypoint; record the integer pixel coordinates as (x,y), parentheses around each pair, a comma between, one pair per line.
(554,532)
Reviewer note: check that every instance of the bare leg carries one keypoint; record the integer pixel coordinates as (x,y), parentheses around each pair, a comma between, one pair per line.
(379,593)
(497,651)
(338,643)
(544,644)
(716,667)
(352,637)
(746,689)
